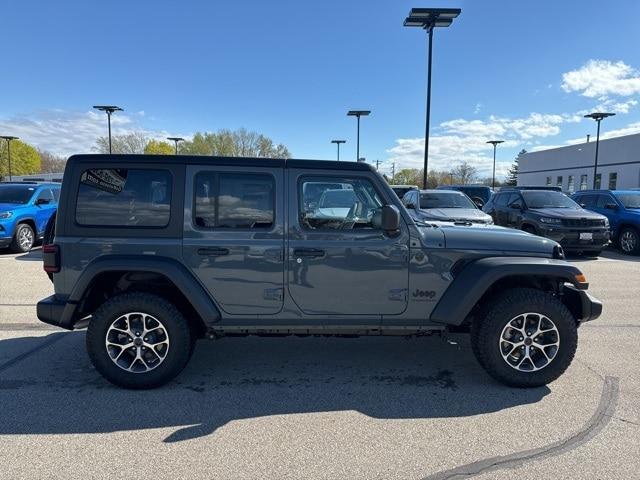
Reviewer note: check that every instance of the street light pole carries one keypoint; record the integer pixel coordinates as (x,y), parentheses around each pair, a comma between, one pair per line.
(358,114)
(8,138)
(598,117)
(338,142)
(428,19)
(176,140)
(108,109)
(495,144)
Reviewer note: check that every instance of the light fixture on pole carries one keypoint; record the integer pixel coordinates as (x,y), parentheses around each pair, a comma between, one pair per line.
(428,19)
(495,144)
(597,116)
(8,138)
(108,109)
(358,114)
(338,142)
(176,140)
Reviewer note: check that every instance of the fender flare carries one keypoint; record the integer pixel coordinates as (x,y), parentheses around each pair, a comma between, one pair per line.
(184,280)
(470,284)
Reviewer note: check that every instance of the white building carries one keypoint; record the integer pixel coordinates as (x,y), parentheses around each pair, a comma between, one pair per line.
(571,167)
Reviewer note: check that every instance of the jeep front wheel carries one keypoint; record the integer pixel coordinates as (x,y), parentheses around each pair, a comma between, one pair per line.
(139,340)
(526,338)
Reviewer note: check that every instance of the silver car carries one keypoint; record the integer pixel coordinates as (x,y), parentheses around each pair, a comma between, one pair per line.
(444,206)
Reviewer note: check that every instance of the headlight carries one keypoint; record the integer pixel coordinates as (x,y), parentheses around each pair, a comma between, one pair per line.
(551,220)
(4,215)
(606,222)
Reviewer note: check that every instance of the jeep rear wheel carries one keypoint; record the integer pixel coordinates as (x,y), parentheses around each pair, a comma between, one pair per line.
(139,340)
(527,338)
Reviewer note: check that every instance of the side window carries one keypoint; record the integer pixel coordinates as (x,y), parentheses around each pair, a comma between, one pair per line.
(56,194)
(328,203)
(410,198)
(501,199)
(603,200)
(121,197)
(588,201)
(234,200)
(514,197)
(46,195)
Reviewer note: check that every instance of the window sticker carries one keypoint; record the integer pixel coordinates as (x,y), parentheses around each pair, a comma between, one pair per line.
(108,180)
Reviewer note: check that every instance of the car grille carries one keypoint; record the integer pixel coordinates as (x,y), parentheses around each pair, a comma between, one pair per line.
(582,222)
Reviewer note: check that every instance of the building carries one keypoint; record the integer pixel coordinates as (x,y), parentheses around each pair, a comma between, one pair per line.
(571,167)
(38,177)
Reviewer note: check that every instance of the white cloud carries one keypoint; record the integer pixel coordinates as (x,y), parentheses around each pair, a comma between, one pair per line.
(66,133)
(630,129)
(477,108)
(602,77)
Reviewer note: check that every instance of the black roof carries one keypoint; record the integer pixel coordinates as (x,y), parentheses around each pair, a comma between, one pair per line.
(520,188)
(224,161)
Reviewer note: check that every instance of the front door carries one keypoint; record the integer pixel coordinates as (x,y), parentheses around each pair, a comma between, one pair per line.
(340,262)
(45,206)
(233,236)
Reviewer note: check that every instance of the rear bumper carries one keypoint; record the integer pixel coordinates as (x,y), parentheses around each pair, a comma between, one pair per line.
(56,312)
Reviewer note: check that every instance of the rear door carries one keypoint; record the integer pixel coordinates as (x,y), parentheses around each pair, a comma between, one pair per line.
(234,236)
(340,262)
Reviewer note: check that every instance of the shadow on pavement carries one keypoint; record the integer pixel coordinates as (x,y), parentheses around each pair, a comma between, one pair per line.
(34,255)
(55,390)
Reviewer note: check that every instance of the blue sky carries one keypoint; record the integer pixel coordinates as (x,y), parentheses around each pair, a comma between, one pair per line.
(520,71)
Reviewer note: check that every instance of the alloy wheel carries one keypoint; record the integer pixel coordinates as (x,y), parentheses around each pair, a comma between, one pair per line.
(529,342)
(25,238)
(628,241)
(137,342)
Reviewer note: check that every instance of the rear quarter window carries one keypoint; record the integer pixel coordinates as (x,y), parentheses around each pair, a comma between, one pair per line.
(124,198)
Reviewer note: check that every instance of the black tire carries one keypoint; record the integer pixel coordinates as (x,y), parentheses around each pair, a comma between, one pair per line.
(178,333)
(629,241)
(529,229)
(17,244)
(486,334)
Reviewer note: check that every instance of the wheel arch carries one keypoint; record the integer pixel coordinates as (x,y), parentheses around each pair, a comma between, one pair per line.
(163,276)
(483,279)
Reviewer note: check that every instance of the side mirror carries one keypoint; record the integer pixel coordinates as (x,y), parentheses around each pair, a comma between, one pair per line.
(42,201)
(611,206)
(516,206)
(390,218)
(410,205)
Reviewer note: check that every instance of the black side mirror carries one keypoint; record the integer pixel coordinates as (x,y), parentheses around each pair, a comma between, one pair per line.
(390,218)
(611,206)
(410,205)
(42,201)
(516,206)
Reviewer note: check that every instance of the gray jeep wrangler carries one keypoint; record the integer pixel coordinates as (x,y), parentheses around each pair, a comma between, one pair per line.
(154,252)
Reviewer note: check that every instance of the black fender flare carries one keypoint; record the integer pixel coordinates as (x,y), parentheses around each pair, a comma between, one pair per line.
(473,281)
(184,280)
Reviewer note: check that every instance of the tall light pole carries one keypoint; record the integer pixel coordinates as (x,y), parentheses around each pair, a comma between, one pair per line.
(428,19)
(8,138)
(176,140)
(597,116)
(358,114)
(495,144)
(108,109)
(338,142)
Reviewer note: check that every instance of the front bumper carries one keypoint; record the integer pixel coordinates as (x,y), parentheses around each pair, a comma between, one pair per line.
(5,241)
(589,307)
(570,238)
(56,312)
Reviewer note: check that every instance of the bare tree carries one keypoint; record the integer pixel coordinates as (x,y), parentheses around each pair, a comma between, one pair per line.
(132,143)
(465,173)
(50,163)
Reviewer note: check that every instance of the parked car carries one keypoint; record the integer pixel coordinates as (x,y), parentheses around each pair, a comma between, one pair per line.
(401,190)
(444,206)
(622,208)
(553,215)
(480,194)
(155,251)
(25,210)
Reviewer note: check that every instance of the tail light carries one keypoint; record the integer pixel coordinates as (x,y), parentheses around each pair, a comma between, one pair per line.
(51,258)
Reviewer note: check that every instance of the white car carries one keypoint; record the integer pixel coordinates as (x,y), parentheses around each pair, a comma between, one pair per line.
(444,206)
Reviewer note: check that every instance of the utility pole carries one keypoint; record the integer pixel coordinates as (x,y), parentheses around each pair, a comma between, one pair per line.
(377,165)
(393,173)
(8,138)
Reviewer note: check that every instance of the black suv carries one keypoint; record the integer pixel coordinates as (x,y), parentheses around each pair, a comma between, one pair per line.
(153,252)
(550,214)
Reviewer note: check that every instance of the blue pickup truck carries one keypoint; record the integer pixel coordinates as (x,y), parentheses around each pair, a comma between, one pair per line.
(25,211)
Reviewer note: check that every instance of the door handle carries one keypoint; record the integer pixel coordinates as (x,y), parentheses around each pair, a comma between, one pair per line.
(213,251)
(308,252)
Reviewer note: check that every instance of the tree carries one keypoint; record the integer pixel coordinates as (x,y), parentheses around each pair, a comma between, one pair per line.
(465,173)
(50,163)
(238,143)
(408,176)
(134,142)
(512,175)
(25,159)
(158,147)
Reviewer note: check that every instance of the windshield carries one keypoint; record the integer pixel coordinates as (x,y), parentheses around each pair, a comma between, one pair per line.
(629,200)
(445,200)
(18,194)
(548,199)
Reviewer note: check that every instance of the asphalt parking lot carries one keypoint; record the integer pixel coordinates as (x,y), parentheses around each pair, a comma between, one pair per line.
(318,407)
